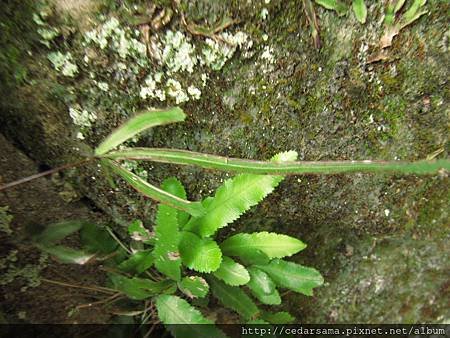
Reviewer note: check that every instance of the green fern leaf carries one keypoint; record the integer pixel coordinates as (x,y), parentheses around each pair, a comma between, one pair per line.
(138,262)
(139,233)
(174,310)
(67,255)
(272,244)
(199,254)
(140,288)
(57,231)
(194,286)
(334,5)
(278,317)
(149,190)
(234,298)
(254,257)
(262,287)
(167,235)
(173,186)
(293,276)
(138,124)
(97,239)
(236,196)
(360,10)
(232,273)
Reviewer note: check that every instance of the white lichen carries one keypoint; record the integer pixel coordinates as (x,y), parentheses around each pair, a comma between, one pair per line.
(103,86)
(178,53)
(175,90)
(204,78)
(215,54)
(194,92)
(82,117)
(264,13)
(267,54)
(121,40)
(63,63)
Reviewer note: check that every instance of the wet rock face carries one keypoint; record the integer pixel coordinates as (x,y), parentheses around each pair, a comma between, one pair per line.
(269,90)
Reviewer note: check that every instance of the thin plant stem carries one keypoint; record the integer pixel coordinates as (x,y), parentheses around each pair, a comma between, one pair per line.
(113,235)
(92,288)
(105,301)
(46,173)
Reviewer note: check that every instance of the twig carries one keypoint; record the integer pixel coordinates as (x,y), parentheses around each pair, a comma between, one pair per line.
(114,297)
(46,173)
(113,235)
(93,288)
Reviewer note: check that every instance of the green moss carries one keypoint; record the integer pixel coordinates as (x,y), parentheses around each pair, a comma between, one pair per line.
(5,220)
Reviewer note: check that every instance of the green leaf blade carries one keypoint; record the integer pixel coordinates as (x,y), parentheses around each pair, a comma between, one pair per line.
(234,298)
(262,287)
(140,288)
(232,273)
(236,196)
(173,186)
(167,235)
(146,189)
(334,5)
(293,276)
(97,239)
(68,255)
(138,124)
(272,244)
(208,161)
(360,10)
(138,262)
(202,255)
(278,317)
(194,286)
(173,310)
(58,231)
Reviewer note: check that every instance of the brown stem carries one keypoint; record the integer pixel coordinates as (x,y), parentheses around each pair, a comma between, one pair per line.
(103,301)
(46,173)
(93,288)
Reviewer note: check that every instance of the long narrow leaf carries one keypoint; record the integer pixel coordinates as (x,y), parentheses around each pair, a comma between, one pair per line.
(360,10)
(167,238)
(293,276)
(194,286)
(288,168)
(57,231)
(194,208)
(138,262)
(68,255)
(140,288)
(236,196)
(272,244)
(234,298)
(173,310)
(262,287)
(232,273)
(138,124)
(334,5)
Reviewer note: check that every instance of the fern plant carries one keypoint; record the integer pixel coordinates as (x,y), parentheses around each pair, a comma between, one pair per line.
(181,261)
